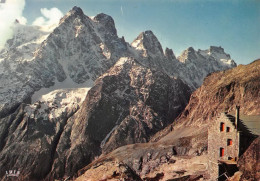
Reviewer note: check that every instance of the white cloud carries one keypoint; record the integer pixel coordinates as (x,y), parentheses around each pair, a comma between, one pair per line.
(10,10)
(22,20)
(50,17)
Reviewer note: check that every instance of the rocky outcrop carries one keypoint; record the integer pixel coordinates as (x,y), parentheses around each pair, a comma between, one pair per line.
(112,170)
(123,107)
(29,140)
(153,101)
(221,91)
(249,162)
(181,155)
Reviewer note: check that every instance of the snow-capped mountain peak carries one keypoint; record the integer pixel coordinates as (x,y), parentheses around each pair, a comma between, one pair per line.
(74,13)
(78,49)
(219,54)
(106,22)
(77,10)
(198,64)
(187,55)
(148,43)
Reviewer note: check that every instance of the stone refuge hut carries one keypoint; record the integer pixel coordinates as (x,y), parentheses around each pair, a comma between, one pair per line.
(228,138)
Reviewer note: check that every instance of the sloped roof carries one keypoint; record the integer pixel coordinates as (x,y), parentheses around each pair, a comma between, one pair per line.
(252,122)
(242,127)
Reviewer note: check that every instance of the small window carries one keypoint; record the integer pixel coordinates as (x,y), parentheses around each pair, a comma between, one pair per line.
(229,142)
(230,158)
(222,125)
(228,129)
(221,152)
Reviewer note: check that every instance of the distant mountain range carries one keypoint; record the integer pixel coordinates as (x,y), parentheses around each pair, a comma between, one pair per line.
(70,95)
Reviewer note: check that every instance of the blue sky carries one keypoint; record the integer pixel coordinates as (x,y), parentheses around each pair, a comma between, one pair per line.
(178,24)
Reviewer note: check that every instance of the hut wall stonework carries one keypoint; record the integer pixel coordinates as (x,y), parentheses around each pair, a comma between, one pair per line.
(217,140)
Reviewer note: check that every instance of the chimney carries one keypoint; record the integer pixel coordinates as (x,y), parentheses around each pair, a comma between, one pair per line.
(237,116)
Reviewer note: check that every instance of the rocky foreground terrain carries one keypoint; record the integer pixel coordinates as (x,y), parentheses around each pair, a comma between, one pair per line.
(248,164)
(80,95)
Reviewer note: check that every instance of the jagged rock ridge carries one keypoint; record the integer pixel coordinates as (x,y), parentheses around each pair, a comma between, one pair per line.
(191,66)
(221,91)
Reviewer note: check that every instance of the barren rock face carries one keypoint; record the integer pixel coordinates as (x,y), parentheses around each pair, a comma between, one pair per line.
(249,162)
(221,91)
(128,104)
(150,102)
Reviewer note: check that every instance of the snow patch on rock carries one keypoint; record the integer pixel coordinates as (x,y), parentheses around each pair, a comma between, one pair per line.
(56,103)
(68,84)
